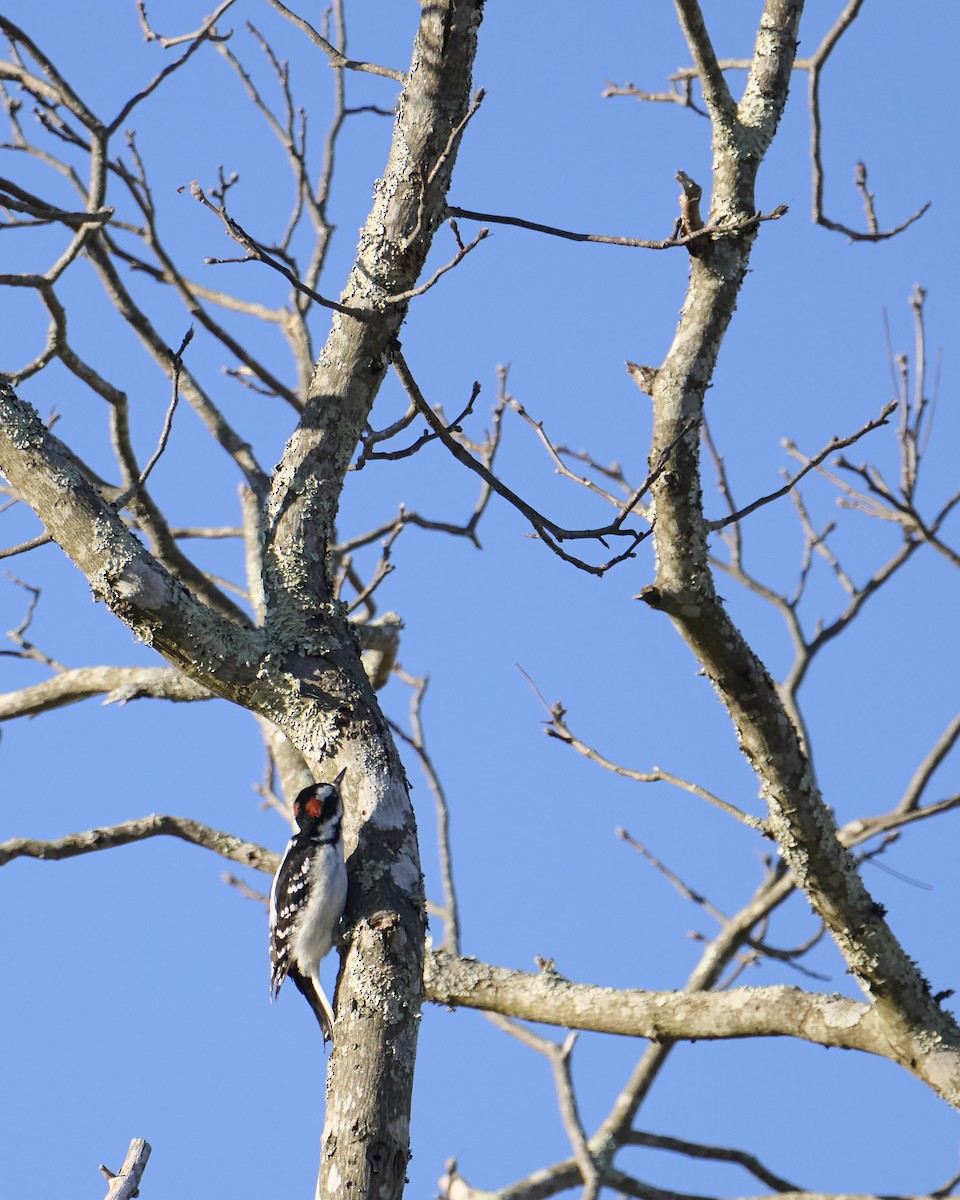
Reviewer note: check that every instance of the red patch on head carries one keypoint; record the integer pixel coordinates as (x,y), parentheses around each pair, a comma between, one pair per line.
(313,807)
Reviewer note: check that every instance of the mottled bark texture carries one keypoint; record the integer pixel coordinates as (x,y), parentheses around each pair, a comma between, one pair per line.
(827,1020)
(913,1023)
(301,669)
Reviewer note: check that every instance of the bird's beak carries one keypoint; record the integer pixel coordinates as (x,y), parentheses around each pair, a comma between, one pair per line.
(339,778)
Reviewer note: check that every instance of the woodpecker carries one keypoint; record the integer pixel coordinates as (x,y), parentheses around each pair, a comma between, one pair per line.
(307,897)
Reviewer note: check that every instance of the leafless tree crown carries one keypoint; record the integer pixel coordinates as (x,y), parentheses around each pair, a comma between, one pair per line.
(298,637)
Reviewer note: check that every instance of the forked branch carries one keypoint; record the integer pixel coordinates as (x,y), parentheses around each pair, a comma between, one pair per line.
(548,531)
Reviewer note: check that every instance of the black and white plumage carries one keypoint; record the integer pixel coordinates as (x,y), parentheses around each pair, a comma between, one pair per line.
(307,897)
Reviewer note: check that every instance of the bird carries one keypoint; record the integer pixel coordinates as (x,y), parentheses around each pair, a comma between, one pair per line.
(308,896)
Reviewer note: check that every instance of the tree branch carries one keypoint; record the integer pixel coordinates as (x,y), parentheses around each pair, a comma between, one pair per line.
(417,742)
(337,59)
(126,1183)
(548,998)
(134,584)
(749,1162)
(814,66)
(717,229)
(548,531)
(226,845)
(720,103)
(118,684)
(836,443)
(685,590)
(558,728)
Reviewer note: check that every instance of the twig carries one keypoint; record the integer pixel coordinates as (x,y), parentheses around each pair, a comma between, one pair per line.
(27,649)
(814,66)
(336,58)
(810,464)
(462,252)
(457,133)
(557,727)
(682,95)
(687,892)
(789,957)
(43,539)
(856,832)
(924,772)
(150,34)
(382,570)
(717,229)
(860,179)
(710,70)
(691,193)
(125,497)
(814,542)
(206,32)
(551,533)
(44,213)
(733,539)
(427,177)
(417,742)
(749,1162)
(237,447)
(375,436)
(624,509)
(612,472)
(559,1056)
(244,888)
(210,532)
(257,253)
(423,440)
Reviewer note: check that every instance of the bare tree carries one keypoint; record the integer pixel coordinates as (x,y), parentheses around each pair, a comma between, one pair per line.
(300,642)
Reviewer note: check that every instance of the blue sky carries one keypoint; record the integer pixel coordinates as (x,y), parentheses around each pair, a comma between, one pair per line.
(136,1002)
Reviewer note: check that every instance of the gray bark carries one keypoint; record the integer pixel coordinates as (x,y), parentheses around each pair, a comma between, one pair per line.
(684,589)
(301,670)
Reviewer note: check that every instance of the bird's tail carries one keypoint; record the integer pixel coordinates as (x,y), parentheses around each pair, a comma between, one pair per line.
(318,1002)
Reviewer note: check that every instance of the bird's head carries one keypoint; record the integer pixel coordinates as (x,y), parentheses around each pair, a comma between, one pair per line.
(318,805)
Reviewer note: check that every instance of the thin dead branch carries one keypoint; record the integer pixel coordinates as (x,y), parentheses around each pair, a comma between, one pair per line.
(810,464)
(462,252)
(70,846)
(416,740)
(548,531)
(714,229)
(709,70)
(337,60)
(742,1158)
(558,728)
